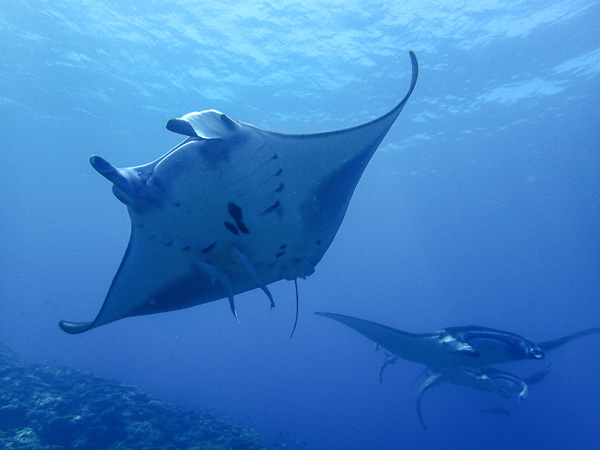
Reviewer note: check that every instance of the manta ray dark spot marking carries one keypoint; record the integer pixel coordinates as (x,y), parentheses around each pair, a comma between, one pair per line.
(168,244)
(283,247)
(279,254)
(186,248)
(231,227)
(319,242)
(177,204)
(236,214)
(209,248)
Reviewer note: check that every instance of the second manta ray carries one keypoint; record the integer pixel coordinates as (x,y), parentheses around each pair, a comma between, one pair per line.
(460,355)
(232,208)
(471,346)
(484,379)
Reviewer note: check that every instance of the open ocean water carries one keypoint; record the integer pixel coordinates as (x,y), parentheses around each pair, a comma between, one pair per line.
(481,207)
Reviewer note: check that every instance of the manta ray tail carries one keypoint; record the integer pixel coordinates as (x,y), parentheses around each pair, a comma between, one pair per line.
(423,372)
(297,304)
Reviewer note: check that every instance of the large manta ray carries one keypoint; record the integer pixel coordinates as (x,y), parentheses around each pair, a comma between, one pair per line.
(232,208)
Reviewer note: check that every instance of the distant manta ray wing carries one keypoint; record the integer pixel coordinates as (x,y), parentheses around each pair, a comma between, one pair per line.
(232,208)
(410,346)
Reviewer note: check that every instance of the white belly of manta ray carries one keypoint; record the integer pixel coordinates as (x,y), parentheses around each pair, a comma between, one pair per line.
(232,208)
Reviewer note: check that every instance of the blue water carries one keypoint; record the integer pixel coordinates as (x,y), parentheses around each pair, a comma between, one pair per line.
(482,205)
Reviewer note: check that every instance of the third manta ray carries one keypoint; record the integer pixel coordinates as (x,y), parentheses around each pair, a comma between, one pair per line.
(461,355)
(232,208)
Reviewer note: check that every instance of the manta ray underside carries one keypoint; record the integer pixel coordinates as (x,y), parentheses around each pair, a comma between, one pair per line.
(232,208)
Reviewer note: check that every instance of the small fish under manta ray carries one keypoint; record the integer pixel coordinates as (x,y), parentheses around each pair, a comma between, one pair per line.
(460,355)
(232,208)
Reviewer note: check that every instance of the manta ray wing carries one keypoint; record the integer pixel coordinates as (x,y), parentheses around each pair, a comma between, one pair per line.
(232,208)
(413,347)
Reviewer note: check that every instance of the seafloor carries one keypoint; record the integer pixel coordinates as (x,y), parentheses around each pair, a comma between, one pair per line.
(51,407)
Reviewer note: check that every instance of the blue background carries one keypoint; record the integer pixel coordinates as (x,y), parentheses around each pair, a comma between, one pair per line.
(482,205)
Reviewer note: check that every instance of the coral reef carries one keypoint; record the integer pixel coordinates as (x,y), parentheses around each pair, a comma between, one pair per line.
(51,407)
